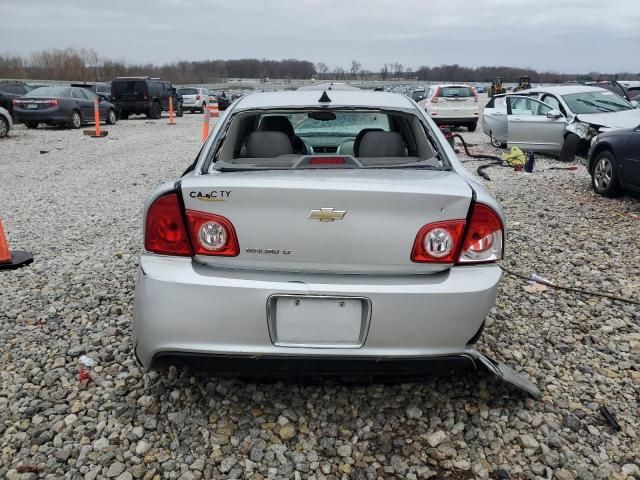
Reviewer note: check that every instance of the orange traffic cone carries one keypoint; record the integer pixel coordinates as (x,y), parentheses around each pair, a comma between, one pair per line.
(11,260)
(97,132)
(205,124)
(213,109)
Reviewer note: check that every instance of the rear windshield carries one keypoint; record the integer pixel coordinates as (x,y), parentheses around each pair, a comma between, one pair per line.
(350,138)
(49,92)
(596,102)
(128,86)
(455,92)
(188,91)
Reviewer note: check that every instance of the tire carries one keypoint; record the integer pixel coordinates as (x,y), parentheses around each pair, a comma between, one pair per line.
(472,126)
(604,177)
(569,148)
(4,127)
(203,107)
(155,112)
(32,124)
(179,111)
(111,117)
(75,121)
(494,142)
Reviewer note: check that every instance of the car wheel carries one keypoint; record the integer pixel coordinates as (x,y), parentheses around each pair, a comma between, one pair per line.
(32,124)
(569,148)
(155,111)
(495,142)
(604,177)
(4,127)
(111,117)
(203,107)
(472,126)
(179,111)
(76,120)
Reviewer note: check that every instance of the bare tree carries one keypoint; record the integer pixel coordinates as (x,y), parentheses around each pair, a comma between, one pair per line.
(322,69)
(384,71)
(355,68)
(397,70)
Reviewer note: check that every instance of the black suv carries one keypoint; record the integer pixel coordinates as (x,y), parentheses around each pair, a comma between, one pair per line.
(10,91)
(135,95)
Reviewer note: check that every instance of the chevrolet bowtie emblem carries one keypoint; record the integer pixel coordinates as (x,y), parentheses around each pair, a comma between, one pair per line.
(327,214)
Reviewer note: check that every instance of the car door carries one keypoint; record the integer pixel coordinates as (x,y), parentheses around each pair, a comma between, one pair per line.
(532,126)
(631,161)
(83,103)
(494,119)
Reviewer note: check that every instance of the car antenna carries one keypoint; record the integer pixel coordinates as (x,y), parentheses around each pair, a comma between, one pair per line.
(324,98)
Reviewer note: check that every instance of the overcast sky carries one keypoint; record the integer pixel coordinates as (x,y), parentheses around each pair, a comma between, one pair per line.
(559,35)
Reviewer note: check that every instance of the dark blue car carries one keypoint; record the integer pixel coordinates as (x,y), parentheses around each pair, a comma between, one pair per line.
(69,106)
(614,161)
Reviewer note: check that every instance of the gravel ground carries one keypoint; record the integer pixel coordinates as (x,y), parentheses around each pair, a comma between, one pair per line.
(78,208)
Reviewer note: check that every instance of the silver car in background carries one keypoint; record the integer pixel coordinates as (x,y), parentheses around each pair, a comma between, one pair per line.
(320,232)
(558,120)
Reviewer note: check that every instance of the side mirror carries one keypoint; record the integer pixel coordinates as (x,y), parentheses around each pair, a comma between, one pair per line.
(554,114)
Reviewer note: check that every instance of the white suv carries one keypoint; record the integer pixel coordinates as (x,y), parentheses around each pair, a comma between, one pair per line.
(452,104)
(194,99)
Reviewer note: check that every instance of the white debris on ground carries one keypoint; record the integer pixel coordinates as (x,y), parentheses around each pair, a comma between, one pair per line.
(78,208)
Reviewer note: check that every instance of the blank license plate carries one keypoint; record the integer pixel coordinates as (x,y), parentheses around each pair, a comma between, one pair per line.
(32,106)
(318,321)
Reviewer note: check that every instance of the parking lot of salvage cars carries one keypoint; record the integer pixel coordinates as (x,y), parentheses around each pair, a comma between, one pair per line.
(76,203)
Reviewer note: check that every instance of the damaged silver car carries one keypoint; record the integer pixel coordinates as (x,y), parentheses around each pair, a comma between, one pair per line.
(319,232)
(559,120)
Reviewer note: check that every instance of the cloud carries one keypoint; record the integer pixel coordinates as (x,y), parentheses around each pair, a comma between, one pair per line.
(566,36)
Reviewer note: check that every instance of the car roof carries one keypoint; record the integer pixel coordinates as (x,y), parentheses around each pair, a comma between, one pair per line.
(563,89)
(339,98)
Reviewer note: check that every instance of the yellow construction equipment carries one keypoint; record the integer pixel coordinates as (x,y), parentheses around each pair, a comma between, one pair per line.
(496,87)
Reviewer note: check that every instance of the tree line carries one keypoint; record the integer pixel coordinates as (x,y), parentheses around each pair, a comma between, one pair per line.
(87,65)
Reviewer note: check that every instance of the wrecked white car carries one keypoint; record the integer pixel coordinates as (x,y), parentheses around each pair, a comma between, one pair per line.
(556,120)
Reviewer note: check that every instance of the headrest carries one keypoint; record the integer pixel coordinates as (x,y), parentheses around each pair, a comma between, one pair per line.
(268,145)
(358,139)
(277,123)
(382,144)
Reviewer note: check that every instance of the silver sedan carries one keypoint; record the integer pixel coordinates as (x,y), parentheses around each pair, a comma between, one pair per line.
(320,232)
(558,120)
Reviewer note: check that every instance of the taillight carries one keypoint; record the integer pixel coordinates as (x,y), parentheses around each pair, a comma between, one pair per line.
(438,242)
(212,234)
(197,97)
(436,94)
(165,231)
(483,240)
(450,242)
(475,94)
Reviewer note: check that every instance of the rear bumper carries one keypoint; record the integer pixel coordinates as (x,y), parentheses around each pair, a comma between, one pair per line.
(137,106)
(48,115)
(183,308)
(444,120)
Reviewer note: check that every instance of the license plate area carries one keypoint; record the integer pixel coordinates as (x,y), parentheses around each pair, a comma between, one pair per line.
(32,106)
(318,321)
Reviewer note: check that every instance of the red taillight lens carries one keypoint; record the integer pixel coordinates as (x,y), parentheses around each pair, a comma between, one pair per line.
(483,240)
(327,161)
(475,94)
(438,242)
(53,102)
(197,97)
(212,234)
(165,232)
(434,99)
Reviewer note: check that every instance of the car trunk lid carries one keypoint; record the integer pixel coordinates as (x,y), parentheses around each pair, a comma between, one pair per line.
(292,220)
